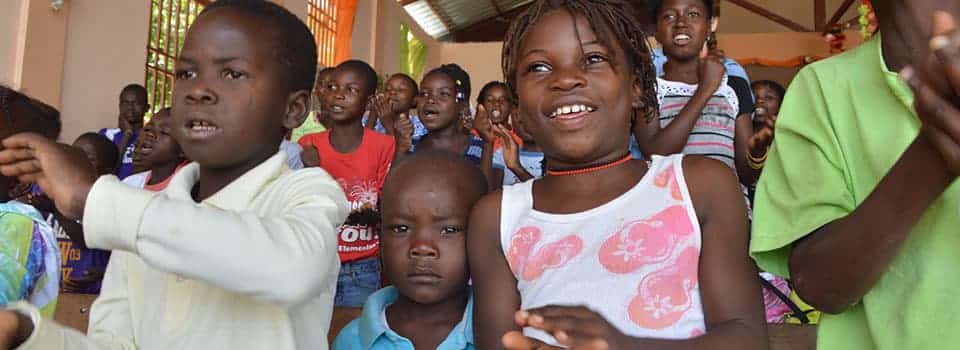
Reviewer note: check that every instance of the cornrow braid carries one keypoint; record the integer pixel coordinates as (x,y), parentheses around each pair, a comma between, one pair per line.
(611,20)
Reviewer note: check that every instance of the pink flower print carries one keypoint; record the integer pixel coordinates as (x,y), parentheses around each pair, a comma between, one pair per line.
(645,241)
(665,295)
(666,178)
(553,255)
(696,333)
(521,243)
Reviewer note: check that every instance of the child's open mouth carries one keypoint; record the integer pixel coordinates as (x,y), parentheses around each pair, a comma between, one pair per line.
(682,39)
(200,129)
(571,111)
(336,109)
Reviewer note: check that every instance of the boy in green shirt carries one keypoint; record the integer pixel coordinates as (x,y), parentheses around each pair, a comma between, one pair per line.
(857,202)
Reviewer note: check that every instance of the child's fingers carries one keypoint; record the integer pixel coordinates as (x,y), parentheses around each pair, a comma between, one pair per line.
(515,340)
(931,107)
(946,48)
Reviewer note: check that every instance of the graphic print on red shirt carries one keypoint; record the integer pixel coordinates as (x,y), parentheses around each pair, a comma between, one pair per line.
(361,174)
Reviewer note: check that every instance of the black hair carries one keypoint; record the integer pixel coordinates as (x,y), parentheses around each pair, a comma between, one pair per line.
(40,117)
(654,6)
(772,85)
(486,88)
(367,73)
(292,41)
(422,160)
(612,20)
(461,80)
(137,89)
(408,79)
(103,146)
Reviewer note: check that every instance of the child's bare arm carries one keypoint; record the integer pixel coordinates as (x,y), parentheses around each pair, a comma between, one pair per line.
(741,147)
(729,287)
(494,287)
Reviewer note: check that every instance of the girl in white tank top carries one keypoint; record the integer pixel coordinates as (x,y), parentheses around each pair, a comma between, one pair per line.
(606,252)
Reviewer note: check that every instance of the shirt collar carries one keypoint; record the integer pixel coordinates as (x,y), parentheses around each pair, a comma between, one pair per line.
(897,86)
(235,196)
(372,326)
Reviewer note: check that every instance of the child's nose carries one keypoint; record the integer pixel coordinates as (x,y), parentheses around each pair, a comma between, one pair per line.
(421,249)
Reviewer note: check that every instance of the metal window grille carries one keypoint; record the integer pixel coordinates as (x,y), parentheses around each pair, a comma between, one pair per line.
(169,20)
(322,20)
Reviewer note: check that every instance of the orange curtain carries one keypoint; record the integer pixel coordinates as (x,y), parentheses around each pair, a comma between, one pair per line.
(346,11)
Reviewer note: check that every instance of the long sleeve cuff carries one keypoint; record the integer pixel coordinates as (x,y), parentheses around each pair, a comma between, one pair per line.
(113,212)
(44,336)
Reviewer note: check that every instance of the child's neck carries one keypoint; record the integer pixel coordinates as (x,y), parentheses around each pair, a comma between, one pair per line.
(161,173)
(212,180)
(346,137)
(450,132)
(683,71)
(405,315)
(566,194)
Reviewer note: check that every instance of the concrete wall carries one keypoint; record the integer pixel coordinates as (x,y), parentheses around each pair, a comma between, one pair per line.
(13,25)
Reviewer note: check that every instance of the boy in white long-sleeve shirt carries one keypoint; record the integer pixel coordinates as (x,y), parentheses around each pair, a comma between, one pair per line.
(238,252)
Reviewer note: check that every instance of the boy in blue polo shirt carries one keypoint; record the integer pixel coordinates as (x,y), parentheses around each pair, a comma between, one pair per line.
(427,199)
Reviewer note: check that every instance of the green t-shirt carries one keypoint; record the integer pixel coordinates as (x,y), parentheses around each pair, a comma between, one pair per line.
(844,123)
(309,126)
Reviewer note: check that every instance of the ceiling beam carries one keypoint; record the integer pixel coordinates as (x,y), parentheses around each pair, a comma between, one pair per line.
(837,15)
(760,10)
(819,15)
(497,8)
(405,2)
(444,18)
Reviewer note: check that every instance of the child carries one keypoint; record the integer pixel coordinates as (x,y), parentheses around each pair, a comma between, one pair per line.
(133,107)
(157,154)
(29,258)
(426,202)
(82,267)
(316,121)
(442,103)
(238,252)
(700,114)
(653,254)
(858,200)
(400,93)
(769,96)
(358,158)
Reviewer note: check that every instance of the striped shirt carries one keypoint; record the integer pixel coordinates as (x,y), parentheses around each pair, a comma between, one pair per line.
(714,133)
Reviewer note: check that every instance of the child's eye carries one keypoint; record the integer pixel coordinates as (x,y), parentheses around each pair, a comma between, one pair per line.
(451,230)
(185,74)
(400,229)
(538,67)
(595,58)
(693,14)
(354,90)
(669,16)
(233,74)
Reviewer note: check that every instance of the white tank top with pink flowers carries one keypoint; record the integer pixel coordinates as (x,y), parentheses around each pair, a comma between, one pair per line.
(634,260)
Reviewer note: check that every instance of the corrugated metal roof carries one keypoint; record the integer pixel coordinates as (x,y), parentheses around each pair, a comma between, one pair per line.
(439,18)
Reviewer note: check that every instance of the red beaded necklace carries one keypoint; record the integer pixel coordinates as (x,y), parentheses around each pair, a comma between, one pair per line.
(595,168)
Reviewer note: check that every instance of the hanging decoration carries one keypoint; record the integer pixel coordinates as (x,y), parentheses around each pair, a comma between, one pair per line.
(868,19)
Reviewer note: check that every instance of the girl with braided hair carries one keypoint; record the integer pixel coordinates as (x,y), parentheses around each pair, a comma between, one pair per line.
(606,252)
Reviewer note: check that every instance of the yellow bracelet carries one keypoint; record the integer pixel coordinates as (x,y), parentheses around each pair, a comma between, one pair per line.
(756,163)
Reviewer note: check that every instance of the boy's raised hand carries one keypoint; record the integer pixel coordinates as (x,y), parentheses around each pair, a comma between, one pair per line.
(935,82)
(63,172)
(711,72)
(511,151)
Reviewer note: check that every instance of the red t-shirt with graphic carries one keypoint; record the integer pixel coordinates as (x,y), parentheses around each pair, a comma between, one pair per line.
(360,174)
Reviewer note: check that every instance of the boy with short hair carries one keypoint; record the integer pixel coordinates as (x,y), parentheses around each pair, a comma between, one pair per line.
(359,158)
(238,252)
(426,203)
(157,156)
(133,107)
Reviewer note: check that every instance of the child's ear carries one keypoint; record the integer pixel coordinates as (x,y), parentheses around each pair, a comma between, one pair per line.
(298,107)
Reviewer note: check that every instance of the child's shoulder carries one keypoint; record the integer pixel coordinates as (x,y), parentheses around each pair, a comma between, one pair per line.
(710,181)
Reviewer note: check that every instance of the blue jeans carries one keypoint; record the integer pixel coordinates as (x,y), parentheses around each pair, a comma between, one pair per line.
(357,280)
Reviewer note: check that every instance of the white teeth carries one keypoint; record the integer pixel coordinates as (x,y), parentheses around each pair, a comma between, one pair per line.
(682,37)
(571,109)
